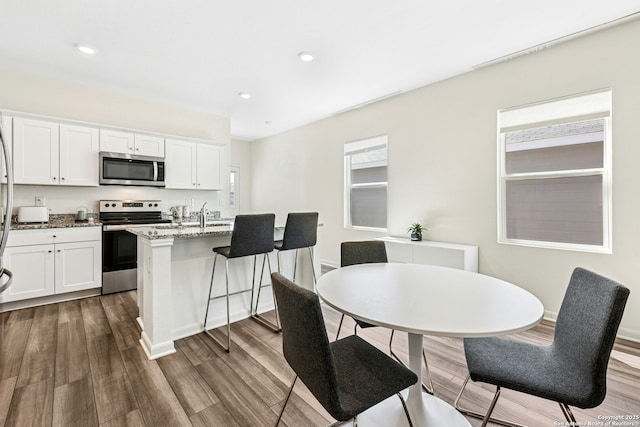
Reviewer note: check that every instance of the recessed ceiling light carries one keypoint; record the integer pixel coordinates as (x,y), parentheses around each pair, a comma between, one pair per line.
(244,95)
(305,56)
(86,49)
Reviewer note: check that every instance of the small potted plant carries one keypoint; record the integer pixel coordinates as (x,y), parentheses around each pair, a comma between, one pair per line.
(416,230)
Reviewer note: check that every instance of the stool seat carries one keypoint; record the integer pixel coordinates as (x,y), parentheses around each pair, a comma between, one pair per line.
(223,250)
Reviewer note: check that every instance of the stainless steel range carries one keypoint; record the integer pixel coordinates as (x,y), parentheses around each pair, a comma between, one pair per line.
(119,247)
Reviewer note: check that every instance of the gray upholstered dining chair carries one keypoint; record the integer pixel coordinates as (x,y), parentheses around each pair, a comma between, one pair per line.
(572,370)
(365,252)
(300,231)
(252,235)
(347,376)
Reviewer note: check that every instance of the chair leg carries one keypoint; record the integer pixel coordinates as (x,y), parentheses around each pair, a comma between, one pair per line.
(286,400)
(339,326)
(254,311)
(227,348)
(486,417)
(295,264)
(566,411)
(406,410)
(313,269)
(427,387)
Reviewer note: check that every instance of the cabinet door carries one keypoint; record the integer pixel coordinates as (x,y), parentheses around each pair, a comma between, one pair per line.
(114,141)
(148,145)
(7,136)
(180,164)
(36,152)
(208,167)
(32,268)
(78,266)
(79,155)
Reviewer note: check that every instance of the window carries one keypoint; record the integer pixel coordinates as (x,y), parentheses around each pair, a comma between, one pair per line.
(365,176)
(555,174)
(234,176)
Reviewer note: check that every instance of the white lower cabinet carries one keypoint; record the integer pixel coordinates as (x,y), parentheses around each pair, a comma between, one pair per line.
(33,272)
(52,261)
(453,255)
(78,266)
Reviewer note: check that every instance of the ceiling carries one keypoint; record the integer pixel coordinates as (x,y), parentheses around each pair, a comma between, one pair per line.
(201,54)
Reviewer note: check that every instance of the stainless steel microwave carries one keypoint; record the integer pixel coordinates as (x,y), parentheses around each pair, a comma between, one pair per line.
(127,169)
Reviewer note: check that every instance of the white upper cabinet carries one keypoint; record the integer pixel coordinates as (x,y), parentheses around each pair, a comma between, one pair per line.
(36,154)
(115,141)
(208,167)
(180,165)
(149,145)
(79,151)
(7,134)
(191,165)
(48,153)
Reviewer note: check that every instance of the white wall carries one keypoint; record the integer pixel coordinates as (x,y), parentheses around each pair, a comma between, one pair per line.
(56,98)
(442,163)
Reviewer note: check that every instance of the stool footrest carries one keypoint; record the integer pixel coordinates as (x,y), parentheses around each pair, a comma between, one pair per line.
(230,294)
(258,318)
(217,341)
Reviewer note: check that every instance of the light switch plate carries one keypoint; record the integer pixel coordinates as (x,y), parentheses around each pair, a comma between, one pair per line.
(41,201)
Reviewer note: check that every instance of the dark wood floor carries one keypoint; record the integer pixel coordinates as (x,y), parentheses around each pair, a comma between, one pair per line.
(79,363)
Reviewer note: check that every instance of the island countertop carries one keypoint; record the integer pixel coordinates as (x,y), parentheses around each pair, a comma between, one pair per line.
(181,232)
(157,232)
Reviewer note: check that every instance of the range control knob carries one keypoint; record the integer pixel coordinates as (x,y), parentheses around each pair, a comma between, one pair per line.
(113,205)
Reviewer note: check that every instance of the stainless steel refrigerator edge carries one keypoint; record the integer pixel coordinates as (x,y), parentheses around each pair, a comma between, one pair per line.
(6,276)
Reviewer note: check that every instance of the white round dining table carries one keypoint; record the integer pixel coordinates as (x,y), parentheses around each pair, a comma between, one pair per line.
(427,300)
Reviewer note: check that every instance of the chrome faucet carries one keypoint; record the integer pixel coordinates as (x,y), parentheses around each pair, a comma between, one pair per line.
(203,216)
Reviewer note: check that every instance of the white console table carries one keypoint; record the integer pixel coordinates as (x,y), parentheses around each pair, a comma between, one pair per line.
(454,255)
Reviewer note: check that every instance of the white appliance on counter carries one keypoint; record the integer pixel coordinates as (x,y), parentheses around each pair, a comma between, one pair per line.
(28,214)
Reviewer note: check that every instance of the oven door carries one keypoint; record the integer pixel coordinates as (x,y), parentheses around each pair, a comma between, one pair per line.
(119,250)
(119,261)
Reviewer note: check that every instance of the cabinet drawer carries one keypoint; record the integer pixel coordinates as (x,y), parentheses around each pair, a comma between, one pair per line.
(53,235)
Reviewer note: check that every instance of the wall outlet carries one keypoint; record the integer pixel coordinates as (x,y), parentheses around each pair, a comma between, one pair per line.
(41,201)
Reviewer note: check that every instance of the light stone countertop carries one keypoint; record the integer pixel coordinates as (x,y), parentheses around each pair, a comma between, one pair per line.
(56,221)
(157,232)
(181,232)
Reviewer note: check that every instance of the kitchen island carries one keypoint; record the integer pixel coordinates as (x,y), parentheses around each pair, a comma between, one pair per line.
(174,273)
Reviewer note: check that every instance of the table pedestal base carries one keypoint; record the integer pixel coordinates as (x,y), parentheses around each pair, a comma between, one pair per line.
(433,413)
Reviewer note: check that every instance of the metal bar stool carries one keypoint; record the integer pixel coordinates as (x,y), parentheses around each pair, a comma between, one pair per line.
(300,231)
(252,235)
